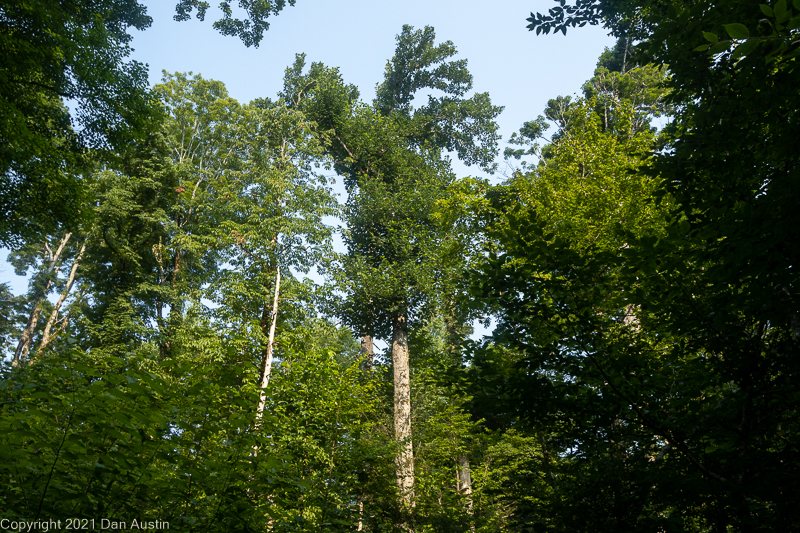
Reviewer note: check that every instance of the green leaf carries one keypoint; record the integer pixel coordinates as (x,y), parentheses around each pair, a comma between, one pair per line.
(745,48)
(712,37)
(780,8)
(720,47)
(702,48)
(766,10)
(737,31)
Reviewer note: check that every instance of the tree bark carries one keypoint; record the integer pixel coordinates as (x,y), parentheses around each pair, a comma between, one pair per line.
(27,334)
(367,352)
(630,318)
(266,360)
(465,480)
(361,518)
(46,337)
(402,411)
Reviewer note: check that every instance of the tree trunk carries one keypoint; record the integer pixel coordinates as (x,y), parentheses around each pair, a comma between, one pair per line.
(630,318)
(266,359)
(367,352)
(465,480)
(360,499)
(46,337)
(27,334)
(402,411)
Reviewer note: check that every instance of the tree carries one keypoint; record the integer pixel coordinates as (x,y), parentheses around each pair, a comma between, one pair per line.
(391,156)
(75,52)
(272,224)
(52,54)
(250,30)
(564,329)
(701,377)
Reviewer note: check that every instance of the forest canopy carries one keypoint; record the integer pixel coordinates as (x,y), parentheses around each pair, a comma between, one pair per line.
(195,351)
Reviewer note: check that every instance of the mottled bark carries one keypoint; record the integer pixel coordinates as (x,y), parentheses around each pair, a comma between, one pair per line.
(21,353)
(46,336)
(363,503)
(402,411)
(367,352)
(630,318)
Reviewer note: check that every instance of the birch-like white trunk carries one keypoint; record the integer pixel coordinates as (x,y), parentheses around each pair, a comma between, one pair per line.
(360,500)
(46,336)
(266,361)
(402,412)
(21,353)
(465,480)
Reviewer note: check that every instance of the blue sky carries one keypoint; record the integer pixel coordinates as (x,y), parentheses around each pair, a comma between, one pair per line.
(520,70)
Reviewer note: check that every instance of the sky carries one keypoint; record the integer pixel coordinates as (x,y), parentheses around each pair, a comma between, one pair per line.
(520,70)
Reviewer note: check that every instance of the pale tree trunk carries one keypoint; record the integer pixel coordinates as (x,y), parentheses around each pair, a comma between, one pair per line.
(367,352)
(26,338)
(46,336)
(266,361)
(402,411)
(465,480)
(266,364)
(360,514)
(630,318)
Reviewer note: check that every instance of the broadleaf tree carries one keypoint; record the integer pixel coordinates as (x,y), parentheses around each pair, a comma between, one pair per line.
(391,155)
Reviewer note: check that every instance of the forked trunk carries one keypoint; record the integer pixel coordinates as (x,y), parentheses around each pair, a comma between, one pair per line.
(47,336)
(402,411)
(36,309)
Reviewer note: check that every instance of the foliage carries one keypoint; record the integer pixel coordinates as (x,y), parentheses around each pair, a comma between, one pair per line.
(641,376)
(588,187)
(55,54)
(250,30)
(51,54)
(89,437)
(391,156)
(658,362)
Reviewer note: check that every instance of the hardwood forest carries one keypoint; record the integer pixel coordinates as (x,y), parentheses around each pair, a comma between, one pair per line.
(194,354)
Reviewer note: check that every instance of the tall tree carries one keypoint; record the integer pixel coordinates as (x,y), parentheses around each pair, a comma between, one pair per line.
(391,156)
(565,330)
(717,286)
(53,53)
(58,53)
(205,134)
(272,225)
